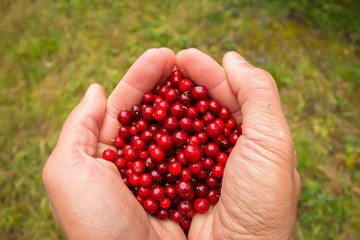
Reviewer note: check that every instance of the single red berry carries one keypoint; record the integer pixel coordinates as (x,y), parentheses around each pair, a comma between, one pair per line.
(194,140)
(124,132)
(185,225)
(239,128)
(165,203)
(162,214)
(156,176)
(213,196)
(156,89)
(177,110)
(186,85)
(124,117)
(179,139)
(202,106)
(195,167)
(157,193)
(192,113)
(233,138)
(143,154)
(165,142)
(163,105)
(171,124)
(185,98)
(207,118)
(186,124)
(175,78)
(177,216)
(193,153)
(226,132)
(154,128)
(171,95)
(143,192)
(231,123)
(201,190)
(148,113)
(213,130)
(180,157)
(139,144)
(157,154)
(133,130)
(145,180)
(208,163)
(212,182)
(224,114)
(183,188)
(202,174)
(135,112)
(175,168)
(138,167)
(202,137)
(201,205)
(222,158)
(131,154)
(211,150)
(147,136)
(109,155)
(198,125)
(134,179)
(170,192)
(148,98)
(217,171)
(214,107)
(150,205)
(160,115)
(142,125)
(199,93)
(185,207)
(120,162)
(119,142)
(185,174)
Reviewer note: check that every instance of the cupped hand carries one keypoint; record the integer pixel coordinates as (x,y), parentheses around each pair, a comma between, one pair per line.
(261,186)
(87,196)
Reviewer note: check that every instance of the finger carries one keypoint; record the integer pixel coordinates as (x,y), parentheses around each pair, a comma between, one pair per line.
(263,119)
(205,71)
(149,68)
(81,129)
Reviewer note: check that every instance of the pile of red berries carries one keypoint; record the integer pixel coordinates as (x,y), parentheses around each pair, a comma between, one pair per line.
(172,149)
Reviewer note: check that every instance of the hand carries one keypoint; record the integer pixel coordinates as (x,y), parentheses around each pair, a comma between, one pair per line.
(87,196)
(261,186)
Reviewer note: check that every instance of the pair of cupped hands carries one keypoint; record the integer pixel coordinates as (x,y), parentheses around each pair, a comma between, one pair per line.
(260,187)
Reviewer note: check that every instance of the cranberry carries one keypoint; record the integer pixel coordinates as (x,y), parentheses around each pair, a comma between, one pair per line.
(165,203)
(177,216)
(146,180)
(192,113)
(175,168)
(218,171)
(186,85)
(162,213)
(170,191)
(179,139)
(211,150)
(120,162)
(214,107)
(171,124)
(185,225)
(177,110)
(213,196)
(201,190)
(157,193)
(186,124)
(185,98)
(157,154)
(119,142)
(138,167)
(171,95)
(160,115)
(148,113)
(213,130)
(165,142)
(224,114)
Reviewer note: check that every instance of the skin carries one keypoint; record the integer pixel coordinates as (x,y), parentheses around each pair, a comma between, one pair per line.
(260,188)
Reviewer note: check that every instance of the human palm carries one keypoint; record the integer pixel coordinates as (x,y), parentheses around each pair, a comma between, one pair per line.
(260,186)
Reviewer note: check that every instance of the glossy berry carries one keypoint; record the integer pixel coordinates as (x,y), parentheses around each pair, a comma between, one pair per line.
(109,155)
(201,205)
(183,188)
(150,205)
(124,117)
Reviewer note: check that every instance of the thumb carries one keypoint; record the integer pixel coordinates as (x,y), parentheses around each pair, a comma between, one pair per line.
(263,120)
(81,128)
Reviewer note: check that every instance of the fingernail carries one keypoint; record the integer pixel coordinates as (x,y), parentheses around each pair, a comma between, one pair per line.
(235,58)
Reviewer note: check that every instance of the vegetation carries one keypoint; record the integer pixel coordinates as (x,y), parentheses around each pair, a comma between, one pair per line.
(50,51)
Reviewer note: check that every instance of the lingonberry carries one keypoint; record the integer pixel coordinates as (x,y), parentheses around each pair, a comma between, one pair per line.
(179,139)
(224,114)
(165,203)
(138,167)
(175,168)
(186,85)
(124,117)
(213,130)
(109,155)
(185,207)
(171,124)
(201,205)
(165,142)
(143,192)
(148,98)
(162,214)
(148,113)
(135,112)
(192,113)
(177,216)
(217,171)
(157,193)
(186,124)
(171,95)
(185,98)
(201,190)
(183,188)
(177,110)
(124,132)
(160,115)
(170,191)
(213,196)
(185,225)
(120,162)
(199,93)
(211,150)
(119,142)
(150,205)
(214,107)
(193,153)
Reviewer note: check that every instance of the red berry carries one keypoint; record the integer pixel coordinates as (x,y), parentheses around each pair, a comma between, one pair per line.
(109,155)
(213,196)
(119,142)
(218,171)
(186,85)
(213,130)
(193,153)
(183,188)
(165,203)
(224,114)
(157,193)
(175,168)
(120,162)
(177,216)
(162,214)
(171,124)
(150,205)
(199,93)
(179,139)
(157,154)
(124,117)
(138,167)
(201,205)
(171,95)
(211,150)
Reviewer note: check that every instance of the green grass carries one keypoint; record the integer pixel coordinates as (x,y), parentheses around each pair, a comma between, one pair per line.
(50,51)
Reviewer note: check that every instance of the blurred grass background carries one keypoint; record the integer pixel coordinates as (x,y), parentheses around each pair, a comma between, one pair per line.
(50,51)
